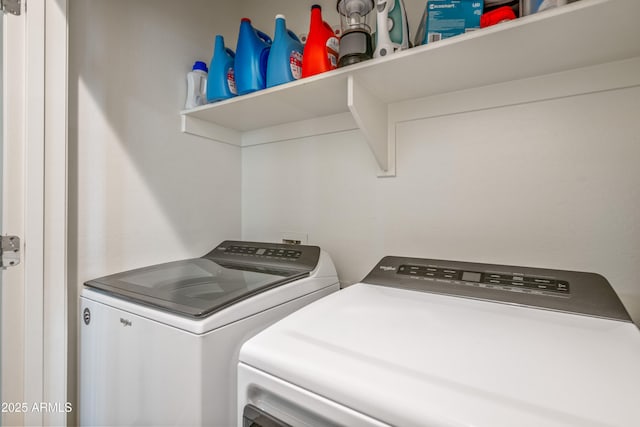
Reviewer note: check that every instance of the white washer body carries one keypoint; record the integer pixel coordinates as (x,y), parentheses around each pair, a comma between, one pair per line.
(144,366)
(373,355)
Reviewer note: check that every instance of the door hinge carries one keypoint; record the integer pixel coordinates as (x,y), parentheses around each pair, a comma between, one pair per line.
(10,6)
(9,251)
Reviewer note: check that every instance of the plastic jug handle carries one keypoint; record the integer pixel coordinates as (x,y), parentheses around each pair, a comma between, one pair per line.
(230,52)
(264,37)
(293,36)
(264,57)
(328,27)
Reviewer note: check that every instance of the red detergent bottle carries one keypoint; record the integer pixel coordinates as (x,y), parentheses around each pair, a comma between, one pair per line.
(321,51)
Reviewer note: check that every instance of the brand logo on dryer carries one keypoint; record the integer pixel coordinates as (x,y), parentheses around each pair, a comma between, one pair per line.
(387,268)
(125,322)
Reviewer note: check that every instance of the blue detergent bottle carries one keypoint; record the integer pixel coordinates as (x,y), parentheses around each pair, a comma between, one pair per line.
(285,58)
(221,83)
(252,54)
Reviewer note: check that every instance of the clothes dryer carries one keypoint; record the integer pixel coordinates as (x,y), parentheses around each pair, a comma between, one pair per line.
(159,345)
(439,343)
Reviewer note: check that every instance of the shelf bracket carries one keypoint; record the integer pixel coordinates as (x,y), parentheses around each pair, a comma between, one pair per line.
(371,116)
(206,129)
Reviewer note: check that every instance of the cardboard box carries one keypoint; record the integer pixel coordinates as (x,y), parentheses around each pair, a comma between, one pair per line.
(448,18)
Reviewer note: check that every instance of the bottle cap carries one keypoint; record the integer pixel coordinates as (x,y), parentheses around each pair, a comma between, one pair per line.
(501,14)
(316,6)
(280,16)
(199,65)
(246,20)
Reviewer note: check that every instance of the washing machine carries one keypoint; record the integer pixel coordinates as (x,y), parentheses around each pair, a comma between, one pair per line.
(159,345)
(425,342)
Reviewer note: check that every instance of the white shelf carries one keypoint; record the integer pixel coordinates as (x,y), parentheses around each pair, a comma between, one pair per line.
(581,34)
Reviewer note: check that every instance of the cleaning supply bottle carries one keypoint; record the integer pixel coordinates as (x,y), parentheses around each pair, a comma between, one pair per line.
(285,58)
(252,53)
(221,83)
(321,51)
(529,7)
(196,85)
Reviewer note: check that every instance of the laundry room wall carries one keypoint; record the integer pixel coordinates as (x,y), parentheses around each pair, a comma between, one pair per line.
(141,191)
(547,178)
(262,14)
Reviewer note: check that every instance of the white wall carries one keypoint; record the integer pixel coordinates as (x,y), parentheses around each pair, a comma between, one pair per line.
(141,191)
(551,183)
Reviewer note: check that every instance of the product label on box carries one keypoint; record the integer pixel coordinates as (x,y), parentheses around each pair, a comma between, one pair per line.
(448,18)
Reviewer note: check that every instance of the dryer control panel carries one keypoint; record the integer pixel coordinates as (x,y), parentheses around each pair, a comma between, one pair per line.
(517,282)
(568,291)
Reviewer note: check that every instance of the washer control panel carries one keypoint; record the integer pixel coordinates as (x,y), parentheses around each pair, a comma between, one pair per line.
(559,290)
(266,255)
(284,253)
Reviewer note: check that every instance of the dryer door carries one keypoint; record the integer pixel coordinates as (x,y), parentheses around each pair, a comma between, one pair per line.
(265,400)
(256,417)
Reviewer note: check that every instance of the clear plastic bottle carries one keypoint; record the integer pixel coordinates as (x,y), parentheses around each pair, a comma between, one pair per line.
(196,85)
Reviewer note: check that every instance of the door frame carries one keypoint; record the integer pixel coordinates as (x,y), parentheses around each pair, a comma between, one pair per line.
(41,109)
(59,307)
(13,99)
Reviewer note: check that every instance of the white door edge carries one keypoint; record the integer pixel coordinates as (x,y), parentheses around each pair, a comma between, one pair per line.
(34,211)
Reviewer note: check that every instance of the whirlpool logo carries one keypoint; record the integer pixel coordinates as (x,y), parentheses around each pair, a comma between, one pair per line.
(125,322)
